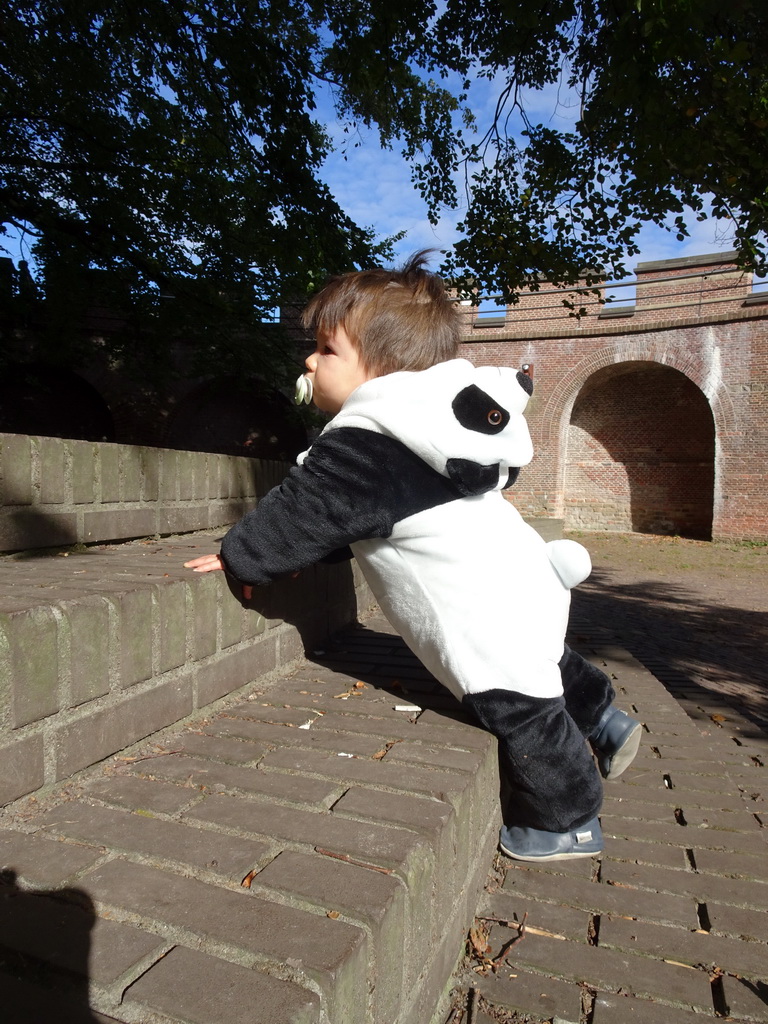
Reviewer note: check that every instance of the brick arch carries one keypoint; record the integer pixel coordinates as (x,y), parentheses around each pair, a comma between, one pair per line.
(639,453)
(665,351)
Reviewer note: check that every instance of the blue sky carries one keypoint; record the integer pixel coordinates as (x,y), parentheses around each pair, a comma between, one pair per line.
(374,187)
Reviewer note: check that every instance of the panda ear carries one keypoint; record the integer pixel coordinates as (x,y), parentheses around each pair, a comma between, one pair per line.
(525,382)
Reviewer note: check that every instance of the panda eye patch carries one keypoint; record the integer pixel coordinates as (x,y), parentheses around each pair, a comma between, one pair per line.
(476,410)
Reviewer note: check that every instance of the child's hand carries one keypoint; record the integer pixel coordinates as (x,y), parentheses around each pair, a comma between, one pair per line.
(207,563)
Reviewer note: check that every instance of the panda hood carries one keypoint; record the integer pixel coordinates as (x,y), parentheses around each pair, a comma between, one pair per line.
(466,422)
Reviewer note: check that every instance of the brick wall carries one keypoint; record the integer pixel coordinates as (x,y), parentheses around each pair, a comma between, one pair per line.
(102,645)
(56,492)
(648,424)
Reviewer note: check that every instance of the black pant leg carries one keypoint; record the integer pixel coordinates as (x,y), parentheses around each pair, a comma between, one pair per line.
(587,690)
(552,782)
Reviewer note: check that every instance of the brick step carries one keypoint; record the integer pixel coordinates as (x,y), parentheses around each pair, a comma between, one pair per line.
(102,646)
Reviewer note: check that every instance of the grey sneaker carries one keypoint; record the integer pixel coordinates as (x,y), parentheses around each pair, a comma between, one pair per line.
(534,844)
(615,742)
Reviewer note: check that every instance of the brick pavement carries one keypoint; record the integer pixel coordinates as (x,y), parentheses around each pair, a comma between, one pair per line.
(313,853)
(669,925)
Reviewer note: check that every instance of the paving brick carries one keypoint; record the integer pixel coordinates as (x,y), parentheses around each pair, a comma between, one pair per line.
(437,757)
(614,970)
(287,736)
(364,842)
(694,948)
(141,794)
(41,861)
(448,834)
(232,669)
(735,819)
(420,814)
(97,735)
(29,660)
(677,835)
(21,767)
(612,1008)
(409,779)
(515,989)
(193,988)
(700,887)
(70,938)
(369,897)
(645,853)
(731,864)
(169,841)
(216,748)
(738,922)
(746,999)
(272,714)
(217,777)
(331,953)
(554,919)
(601,899)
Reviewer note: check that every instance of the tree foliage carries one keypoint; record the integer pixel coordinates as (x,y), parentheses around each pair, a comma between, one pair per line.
(673,108)
(165,156)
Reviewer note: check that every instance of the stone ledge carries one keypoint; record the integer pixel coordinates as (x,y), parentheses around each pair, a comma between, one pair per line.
(337,887)
(102,647)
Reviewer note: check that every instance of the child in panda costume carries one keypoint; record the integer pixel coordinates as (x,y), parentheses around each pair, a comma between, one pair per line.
(409,474)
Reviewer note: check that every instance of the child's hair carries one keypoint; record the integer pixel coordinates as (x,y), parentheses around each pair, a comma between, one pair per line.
(397,319)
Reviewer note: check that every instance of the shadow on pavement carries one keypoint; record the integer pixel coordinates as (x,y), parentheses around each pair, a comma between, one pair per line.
(45,940)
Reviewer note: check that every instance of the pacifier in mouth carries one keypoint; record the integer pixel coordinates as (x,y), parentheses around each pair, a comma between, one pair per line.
(303,391)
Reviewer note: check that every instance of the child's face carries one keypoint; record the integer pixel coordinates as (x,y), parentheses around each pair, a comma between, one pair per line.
(335,370)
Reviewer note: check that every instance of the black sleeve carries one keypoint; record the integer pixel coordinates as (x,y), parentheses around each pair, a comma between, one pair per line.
(353,485)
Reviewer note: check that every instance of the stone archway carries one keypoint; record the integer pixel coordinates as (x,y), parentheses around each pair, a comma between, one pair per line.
(640,453)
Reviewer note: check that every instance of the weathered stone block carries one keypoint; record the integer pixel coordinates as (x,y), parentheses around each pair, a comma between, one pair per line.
(118,524)
(101,733)
(42,861)
(205,595)
(192,986)
(370,897)
(231,670)
(29,659)
(53,475)
(87,623)
(172,615)
(130,473)
(109,464)
(213,778)
(150,459)
(83,455)
(331,953)
(21,767)
(169,476)
(162,840)
(134,609)
(16,479)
